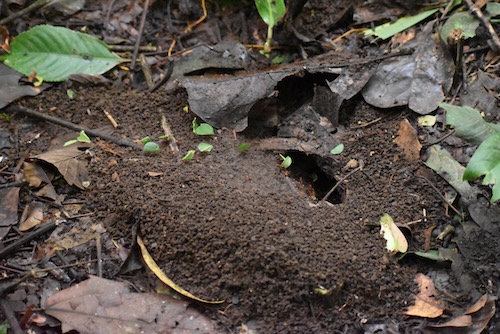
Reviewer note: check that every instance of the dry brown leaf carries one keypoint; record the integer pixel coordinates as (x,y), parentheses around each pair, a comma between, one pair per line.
(99,305)
(68,161)
(32,216)
(407,140)
(473,321)
(426,304)
(9,200)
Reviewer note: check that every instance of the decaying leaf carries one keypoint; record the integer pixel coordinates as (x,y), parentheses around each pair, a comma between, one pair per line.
(99,305)
(9,200)
(473,321)
(70,163)
(426,305)
(418,80)
(150,262)
(396,240)
(11,89)
(32,216)
(407,139)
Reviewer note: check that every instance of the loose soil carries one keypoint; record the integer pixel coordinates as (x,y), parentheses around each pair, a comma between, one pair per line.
(238,227)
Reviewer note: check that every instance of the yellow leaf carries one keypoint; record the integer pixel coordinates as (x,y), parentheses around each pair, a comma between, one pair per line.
(150,262)
(396,240)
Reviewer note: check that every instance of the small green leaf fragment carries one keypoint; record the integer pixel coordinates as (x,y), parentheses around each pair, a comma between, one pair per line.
(83,138)
(396,241)
(287,161)
(70,142)
(388,30)
(146,140)
(205,147)
(427,120)
(337,149)
(164,137)
(151,147)
(189,155)
(279,59)
(185,108)
(204,129)
(70,93)
(243,147)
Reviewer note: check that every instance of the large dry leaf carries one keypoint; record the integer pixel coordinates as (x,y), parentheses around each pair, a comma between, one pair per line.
(32,216)
(226,102)
(426,305)
(150,262)
(419,80)
(70,163)
(9,200)
(407,139)
(11,89)
(473,321)
(102,306)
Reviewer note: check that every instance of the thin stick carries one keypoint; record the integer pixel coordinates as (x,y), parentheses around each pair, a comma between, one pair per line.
(172,143)
(442,197)
(72,126)
(27,238)
(203,17)
(139,36)
(35,5)
(338,184)
(495,45)
(15,328)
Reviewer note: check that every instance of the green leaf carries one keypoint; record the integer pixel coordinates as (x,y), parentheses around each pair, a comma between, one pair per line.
(486,161)
(493,8)
(151,147)
(55,53)
(465,22)
(189,155)
(243,147)
(287,161)
(468,123)
(70,142)
(390,29)
(337,149)
(205,147)
(271,11)
(70,93)
(396,240)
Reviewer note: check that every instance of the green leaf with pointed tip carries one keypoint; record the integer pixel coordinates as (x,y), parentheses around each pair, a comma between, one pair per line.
(271,11)
(465,22)
(486,161)
(55,53)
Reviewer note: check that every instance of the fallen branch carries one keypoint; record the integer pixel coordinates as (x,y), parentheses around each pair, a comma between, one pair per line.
(72,126)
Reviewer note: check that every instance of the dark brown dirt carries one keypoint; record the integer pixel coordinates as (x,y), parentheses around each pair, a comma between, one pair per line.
(238,227)
(234,226)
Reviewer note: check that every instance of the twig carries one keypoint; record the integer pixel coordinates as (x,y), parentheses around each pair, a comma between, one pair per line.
(442,197)
(144,48)
(495,45)
(203,17)
(166,77)
(15,328)
(98,244)
(35,5)
(338,184)
(11,184)
(72,126)
(172,143)
(27,238)
(147,71)
(139,35)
